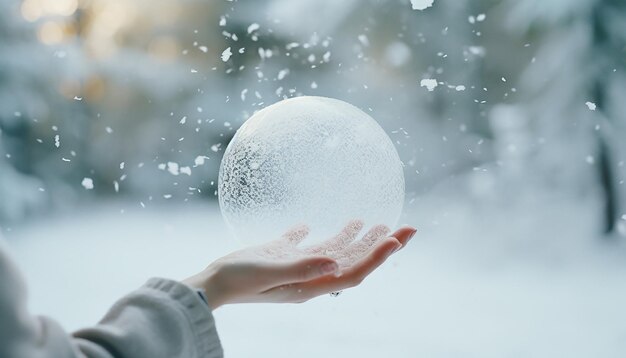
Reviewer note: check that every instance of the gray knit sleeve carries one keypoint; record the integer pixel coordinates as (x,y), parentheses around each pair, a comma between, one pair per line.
(164,318)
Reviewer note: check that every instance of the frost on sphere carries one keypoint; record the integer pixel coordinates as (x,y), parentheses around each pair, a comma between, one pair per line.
(309,160)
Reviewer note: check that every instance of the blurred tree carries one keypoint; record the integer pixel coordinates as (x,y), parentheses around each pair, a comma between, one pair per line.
(27,90)
(94,89)
(608,56)
(572,93)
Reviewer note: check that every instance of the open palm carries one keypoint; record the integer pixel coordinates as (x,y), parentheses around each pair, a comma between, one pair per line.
(286,271)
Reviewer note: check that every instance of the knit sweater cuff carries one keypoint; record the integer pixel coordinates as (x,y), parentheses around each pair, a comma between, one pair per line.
(197,312)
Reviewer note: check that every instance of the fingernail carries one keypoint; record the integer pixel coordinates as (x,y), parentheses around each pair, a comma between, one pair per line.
(328,268)
(412,233)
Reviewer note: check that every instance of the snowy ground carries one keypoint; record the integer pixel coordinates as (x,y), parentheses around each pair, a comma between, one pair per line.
(442,297)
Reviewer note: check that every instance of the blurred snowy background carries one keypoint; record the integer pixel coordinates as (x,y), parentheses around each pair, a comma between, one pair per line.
(509,116)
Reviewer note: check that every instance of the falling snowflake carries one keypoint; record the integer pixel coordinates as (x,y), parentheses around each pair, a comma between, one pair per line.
(591,106)
(185,170)
(199,160)
(252,28)
(172,167)
(429,83)
(364,40)
(226,55)
(87,183)
(421,4)
(283,73)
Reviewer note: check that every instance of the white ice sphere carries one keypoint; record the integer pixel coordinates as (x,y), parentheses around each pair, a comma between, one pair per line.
(309,160)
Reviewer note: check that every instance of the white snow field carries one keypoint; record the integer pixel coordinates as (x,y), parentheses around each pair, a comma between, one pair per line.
(444,296)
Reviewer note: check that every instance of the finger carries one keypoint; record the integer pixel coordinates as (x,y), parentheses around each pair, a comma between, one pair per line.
(356,250)
(376,257)
(375,234)
(346,236)
(404,234)
(353,277)
(296,234)
(301,270)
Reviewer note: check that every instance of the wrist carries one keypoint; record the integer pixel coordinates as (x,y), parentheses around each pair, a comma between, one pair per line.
(206,281)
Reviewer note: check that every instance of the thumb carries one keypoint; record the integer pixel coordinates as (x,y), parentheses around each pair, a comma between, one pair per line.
(404,234)
(301,270)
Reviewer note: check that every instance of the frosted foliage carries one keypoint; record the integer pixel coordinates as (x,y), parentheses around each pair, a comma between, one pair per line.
(309,160)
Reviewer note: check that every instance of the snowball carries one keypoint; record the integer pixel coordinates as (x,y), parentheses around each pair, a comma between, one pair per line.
(591,106)
(312,160)
(429,83)
(226,55)
(421,4)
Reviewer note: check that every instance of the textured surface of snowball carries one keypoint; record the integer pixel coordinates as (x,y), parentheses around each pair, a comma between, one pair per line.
(309,160)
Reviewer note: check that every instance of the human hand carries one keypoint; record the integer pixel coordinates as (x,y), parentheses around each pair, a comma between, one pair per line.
(281,271)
